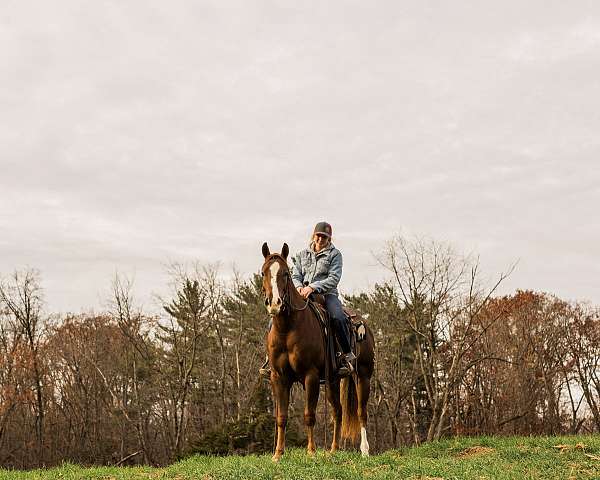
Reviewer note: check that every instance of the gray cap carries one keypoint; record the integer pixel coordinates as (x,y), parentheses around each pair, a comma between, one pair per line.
(323,228)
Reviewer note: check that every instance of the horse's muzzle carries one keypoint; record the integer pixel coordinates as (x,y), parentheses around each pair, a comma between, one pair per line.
(274,308)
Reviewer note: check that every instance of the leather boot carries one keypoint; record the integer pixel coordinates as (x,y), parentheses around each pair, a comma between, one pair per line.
(346,368)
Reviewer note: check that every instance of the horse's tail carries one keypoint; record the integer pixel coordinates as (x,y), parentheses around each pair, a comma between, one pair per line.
(349,397)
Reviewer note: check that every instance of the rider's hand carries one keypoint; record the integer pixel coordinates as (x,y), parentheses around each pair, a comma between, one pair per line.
(306,291)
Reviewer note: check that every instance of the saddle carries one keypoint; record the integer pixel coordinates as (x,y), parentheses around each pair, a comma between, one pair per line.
(356,329)
(355,323)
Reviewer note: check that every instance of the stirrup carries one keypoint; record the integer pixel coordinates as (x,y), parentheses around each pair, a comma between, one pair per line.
(265,370)
(345,370)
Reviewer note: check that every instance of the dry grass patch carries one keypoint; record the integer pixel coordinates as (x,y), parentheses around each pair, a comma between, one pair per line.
(565,447)
(475,451)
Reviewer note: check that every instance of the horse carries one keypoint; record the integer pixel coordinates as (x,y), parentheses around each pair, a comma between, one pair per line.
(297,353)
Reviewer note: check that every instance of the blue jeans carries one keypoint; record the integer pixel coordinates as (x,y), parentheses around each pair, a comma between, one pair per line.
(338,319)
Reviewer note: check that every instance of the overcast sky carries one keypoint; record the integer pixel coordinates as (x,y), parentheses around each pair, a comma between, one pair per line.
(134,133)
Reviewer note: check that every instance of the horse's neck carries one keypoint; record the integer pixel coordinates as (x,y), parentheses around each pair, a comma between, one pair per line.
(295,299)
(282,323)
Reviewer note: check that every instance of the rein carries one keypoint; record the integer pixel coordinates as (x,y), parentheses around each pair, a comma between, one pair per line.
(287,298)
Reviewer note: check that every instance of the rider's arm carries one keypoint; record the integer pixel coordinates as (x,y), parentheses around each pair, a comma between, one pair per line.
(332,280)
(297,273)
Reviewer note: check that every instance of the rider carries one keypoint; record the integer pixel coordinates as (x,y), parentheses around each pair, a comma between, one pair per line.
(318,269)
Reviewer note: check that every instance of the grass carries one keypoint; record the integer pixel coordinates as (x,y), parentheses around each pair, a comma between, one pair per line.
(462,458)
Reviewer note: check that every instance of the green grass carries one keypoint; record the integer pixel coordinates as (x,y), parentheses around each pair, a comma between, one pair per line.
(463,458)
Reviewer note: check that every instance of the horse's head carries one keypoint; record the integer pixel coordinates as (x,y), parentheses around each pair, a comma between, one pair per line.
(276,274)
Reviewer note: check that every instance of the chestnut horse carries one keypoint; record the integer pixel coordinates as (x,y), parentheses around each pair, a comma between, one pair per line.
(296,349)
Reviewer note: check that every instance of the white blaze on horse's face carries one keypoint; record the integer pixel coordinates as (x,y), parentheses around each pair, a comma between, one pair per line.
(275,306)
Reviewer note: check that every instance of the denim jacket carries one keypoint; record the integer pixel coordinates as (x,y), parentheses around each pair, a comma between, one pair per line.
(321,270)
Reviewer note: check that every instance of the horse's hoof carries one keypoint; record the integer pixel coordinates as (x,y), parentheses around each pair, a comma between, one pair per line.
(275,458)
(311,453)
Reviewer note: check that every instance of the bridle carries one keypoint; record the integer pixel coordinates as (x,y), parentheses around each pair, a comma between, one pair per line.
(286,299)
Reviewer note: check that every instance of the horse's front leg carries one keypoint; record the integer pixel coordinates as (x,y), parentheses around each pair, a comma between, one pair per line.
(281,393)
(311,387)
(333,394)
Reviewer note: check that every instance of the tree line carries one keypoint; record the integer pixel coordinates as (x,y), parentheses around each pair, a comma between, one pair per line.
(126,386)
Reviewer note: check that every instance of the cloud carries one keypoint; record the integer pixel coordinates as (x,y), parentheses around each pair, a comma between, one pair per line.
(136,133)
(556,45)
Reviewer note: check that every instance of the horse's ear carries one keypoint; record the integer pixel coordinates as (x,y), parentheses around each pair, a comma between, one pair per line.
(265,250)
(285,251)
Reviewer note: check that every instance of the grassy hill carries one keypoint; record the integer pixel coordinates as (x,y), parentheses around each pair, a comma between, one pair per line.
(465,458)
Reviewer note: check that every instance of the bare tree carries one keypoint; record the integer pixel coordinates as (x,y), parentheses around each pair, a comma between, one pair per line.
(14,384)
(131,399)
(21,297)
(583,339)
(443,296)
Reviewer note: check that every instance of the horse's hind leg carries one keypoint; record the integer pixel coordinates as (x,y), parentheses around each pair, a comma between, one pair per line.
(311,387)
(333,394)
(363,391)
(282,398)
